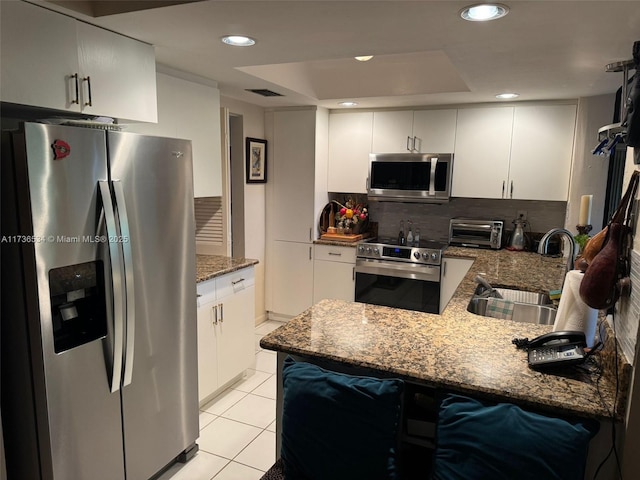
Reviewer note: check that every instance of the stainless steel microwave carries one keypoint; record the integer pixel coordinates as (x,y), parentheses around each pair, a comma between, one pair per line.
(410,177)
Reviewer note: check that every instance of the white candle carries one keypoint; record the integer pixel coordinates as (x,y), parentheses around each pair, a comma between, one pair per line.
(585,210)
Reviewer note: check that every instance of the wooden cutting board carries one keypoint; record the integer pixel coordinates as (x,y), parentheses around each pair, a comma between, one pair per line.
(341,237)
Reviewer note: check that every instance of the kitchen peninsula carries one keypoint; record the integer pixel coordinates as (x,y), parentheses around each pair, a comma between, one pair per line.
(211,266)
(457,351)
(225,318)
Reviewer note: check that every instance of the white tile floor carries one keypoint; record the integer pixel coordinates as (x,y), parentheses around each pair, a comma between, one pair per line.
(237,428)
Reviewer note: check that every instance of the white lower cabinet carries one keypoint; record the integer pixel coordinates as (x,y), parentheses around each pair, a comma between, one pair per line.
(334,273)
(453,271)
(226,317)
(207,350)
(291,265)
(236,321)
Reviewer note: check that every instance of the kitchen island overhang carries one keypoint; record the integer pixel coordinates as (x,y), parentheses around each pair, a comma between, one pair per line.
(464,354)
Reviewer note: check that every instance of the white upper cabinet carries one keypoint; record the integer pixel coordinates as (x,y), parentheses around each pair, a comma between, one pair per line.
(434,131)
(421,131)
(39,57)
(521,152)
(393,132)
(482,151)
(349,147)
(53,61)
(541,152)
(352,136)
(291,207)
(118,75)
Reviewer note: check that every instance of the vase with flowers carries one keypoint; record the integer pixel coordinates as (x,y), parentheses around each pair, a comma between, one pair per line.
(351,218)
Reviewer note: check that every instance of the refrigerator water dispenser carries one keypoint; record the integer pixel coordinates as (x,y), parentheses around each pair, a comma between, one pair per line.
(78,308)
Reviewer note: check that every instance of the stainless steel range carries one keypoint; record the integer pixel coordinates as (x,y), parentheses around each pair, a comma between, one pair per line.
(400,276)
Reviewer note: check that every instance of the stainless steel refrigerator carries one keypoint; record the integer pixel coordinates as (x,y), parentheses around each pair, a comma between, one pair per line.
(99,360)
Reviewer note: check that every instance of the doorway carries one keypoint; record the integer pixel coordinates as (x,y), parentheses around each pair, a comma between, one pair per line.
(236,183)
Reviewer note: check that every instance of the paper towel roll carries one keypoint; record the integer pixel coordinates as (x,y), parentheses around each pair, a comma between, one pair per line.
(573,313)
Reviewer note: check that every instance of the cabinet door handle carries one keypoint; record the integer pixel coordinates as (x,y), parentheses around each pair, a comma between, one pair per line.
(444,269)
(366,184)
(310,229)
(237,281)
(408,140)
(88,80)
(415,142)
(335,254)
(77,99)
(511,188)
(353,274)
(215,314)
(309,253)
(503,184)
(221,313)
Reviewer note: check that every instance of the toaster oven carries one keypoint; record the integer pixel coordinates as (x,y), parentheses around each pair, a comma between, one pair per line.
(476,233)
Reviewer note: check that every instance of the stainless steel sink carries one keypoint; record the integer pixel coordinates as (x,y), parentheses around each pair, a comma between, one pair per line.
(529,307)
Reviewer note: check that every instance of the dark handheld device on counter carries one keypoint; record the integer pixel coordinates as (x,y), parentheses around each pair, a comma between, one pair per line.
(555,349)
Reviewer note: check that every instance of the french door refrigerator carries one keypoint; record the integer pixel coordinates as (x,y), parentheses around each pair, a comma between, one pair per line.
(99,360)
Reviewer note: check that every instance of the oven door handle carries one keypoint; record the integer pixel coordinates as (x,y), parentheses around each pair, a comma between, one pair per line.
(429,273)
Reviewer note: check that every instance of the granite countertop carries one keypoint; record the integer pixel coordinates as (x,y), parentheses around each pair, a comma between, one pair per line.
(211,266)
(456,351)
(335,243)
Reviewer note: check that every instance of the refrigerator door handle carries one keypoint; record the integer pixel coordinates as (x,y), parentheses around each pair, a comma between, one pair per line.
(117,278)
(125,241)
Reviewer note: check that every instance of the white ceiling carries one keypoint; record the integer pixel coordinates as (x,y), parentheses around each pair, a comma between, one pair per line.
(425,53)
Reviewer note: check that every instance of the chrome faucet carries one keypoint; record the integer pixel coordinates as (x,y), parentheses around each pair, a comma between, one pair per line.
(544,244)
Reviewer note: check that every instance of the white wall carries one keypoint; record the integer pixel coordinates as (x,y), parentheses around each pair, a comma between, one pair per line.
(254,199)
(631,461)
(589,172)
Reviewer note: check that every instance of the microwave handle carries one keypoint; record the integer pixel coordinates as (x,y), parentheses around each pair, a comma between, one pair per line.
(432,178)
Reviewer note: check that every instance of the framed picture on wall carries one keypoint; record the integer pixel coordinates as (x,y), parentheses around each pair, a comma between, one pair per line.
(256,152)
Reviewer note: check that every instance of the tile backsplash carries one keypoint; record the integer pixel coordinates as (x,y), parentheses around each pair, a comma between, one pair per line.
(433,220)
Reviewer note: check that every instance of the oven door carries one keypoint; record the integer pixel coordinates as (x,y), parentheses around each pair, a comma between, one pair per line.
(397,284)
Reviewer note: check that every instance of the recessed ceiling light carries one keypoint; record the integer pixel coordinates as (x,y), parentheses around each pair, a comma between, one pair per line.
(238,40)
(364,58)
(506,96)
(483,12)
(348,104)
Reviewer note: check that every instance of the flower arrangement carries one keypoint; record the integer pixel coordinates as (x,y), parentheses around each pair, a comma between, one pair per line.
(351,217)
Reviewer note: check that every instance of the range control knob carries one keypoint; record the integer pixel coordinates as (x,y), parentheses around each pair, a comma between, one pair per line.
(360,249)
(434,256)
(376,251)
(368,249)
(425,255)
(417,255)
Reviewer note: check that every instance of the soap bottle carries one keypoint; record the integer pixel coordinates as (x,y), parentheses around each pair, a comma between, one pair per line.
(401,239)
(410,236)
